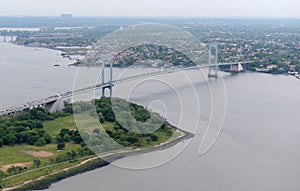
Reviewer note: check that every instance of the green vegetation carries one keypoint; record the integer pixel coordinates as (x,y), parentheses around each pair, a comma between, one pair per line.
(46,181)
(27,128)
(128,57)
(135,126)
(37,143)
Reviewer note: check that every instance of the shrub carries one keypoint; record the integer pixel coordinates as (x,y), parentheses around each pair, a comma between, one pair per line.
(67,138)
(61,146)
(37,162)
(41,142)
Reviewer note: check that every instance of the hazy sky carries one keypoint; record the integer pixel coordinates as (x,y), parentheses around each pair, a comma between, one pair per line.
(202,8)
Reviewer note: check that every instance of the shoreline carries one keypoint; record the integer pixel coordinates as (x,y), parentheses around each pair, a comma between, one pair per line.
(75,64)
(96,162)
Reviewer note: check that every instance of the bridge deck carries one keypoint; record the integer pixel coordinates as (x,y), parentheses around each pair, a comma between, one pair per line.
(69,94)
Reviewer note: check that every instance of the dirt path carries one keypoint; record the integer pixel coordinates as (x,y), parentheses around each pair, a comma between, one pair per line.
(114,156)
(39,154)
(25,164)
(65,169)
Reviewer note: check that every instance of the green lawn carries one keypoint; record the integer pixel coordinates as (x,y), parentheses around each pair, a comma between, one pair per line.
(14,154)
(54,127)
(85,121)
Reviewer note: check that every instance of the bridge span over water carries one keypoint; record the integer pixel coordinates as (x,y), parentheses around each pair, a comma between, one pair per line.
(55,103)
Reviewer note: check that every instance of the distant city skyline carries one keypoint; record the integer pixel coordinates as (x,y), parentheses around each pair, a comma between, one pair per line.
(153,8)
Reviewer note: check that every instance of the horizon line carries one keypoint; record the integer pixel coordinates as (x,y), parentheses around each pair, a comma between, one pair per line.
(169,17)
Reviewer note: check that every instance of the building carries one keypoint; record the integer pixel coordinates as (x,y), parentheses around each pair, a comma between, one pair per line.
(46,28)
(66,16)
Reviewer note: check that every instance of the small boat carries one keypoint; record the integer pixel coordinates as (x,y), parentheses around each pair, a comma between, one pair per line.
(56,65)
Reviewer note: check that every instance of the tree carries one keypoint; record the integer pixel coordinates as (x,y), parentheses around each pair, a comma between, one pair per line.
(51,160)
(59,139)
(76,137)
(11,170)
(101,118)
(87,150)
(37,162)
(1,142)
(11,139)
(41,142)
(29,137)
(47,138)
(77,109)
(93,113)
(81,152)
(69,109)
(32,140)
(148,140)
(153,137)
(96,131)
(82,144)
(72,155)
(61,158)
(2,132)
(61,146)
(2,174)
(19,169)
(64,131)
(67,138)
(39,114)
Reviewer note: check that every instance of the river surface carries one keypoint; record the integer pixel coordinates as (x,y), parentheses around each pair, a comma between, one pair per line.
(258,147)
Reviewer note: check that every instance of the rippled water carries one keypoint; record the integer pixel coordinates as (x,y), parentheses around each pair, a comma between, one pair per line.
(258,148)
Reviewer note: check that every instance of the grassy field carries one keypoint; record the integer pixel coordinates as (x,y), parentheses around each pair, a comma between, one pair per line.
(84,121)
(54,127)
(11,155)
(15,155)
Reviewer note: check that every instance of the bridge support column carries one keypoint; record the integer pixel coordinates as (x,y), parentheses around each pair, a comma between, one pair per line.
(111,79)
(213,70)
(4,38)
(103,93)
(103,80)
(110,83)
(235,68)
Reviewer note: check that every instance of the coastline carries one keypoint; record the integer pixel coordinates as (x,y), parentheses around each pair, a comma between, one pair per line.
(96,162)
(75,63)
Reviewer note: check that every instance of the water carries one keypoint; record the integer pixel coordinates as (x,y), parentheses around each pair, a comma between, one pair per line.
(258,148)
(28,73)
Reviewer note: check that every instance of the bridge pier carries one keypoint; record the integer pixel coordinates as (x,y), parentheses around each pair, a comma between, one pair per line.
(213,70)
(54,106)
(4,38)
(235,68)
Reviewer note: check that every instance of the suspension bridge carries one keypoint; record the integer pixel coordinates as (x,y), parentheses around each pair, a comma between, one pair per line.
(56,102)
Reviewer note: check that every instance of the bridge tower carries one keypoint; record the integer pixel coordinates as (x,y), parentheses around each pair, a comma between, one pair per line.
(109,84)
(213,70)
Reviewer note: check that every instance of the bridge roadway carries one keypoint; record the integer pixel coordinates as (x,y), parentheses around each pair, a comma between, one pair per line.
(67,95)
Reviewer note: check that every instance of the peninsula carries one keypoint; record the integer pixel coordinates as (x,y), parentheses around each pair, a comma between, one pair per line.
(39,148)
